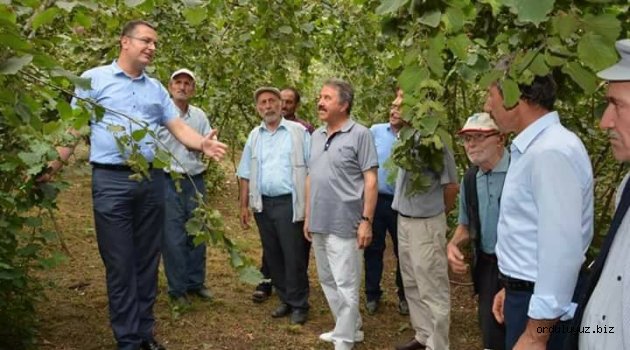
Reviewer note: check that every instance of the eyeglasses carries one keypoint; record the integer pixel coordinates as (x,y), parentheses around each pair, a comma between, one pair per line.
(146,41)
(468,138)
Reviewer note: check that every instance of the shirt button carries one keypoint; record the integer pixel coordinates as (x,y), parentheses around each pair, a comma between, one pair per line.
(604,318)
(618,278)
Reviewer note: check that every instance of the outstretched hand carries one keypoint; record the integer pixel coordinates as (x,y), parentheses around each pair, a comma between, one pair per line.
(212,147)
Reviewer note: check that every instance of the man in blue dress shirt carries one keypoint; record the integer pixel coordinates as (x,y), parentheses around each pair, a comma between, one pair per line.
(272,174)
(385,217)
(479,199)
(546,216)
(129,214)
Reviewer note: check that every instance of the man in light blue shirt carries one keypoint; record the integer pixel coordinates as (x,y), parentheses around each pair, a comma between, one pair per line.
(479,199)
(546,216)
(385,218)
(272,174)
(129,214)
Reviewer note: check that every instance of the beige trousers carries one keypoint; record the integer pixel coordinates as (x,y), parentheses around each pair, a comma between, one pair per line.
(424,268)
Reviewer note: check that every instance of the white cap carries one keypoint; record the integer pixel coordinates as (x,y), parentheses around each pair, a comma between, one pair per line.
(621,70)
(480,122)
(183,71)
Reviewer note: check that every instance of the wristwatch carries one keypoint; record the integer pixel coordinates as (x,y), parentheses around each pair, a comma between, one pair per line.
(365,218)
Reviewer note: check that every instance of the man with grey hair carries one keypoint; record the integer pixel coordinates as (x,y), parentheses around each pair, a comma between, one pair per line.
(184,262)
(478,217)
(602,320)
(341,191)
(272,174)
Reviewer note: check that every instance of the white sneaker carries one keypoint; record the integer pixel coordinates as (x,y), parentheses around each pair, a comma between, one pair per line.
(327,337)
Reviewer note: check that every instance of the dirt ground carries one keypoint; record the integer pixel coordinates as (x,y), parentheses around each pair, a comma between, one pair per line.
(74,314)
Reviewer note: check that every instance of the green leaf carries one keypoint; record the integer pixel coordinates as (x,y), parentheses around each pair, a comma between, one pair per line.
(285,30)
(595,53)
(511,93)
(564,24)
(250,275)
(133,3)
(410,77)
(585,79)
(459,45)
(13,41)
(538,65)
(606,25)
(139,134)
(195,15)
(390,6)
(45,17)
(82,83)
(453,19)
(533,11)
(65,111)
(431,18)
(494,4)
(489,78)
(235,258)
(14,64)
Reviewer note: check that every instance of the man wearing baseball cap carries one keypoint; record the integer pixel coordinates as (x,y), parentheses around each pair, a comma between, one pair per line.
(602,320)
(184,262)
(478,217)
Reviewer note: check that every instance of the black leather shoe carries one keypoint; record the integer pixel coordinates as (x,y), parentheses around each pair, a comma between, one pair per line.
(413,344)
(151,345)
(262,292)
(281,311)
(299,316)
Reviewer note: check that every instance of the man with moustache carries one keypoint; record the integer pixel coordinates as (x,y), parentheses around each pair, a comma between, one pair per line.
(385,217)
(184,263)
(341,192)
(290,103)
(546,216)
(602,320)
(422,250)
(129,214)
(272,174)
(478,216)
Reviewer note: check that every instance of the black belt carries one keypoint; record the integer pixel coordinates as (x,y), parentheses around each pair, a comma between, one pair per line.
(115,167)
(387,196)
(414,217)
(280,197)
(186,175)
(488,257)
(515,284)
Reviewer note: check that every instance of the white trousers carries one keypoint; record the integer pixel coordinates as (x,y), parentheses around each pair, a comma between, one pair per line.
(424,269)
(339,267)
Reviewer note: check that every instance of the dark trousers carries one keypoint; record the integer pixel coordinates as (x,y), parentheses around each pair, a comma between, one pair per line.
(487,272)
(129,218)
(184,263)
(385,220)
(283,246)
(515,314)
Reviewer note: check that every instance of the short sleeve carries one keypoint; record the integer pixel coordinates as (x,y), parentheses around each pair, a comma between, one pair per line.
(169,110)
(368,158)
(449,173)
(243,170)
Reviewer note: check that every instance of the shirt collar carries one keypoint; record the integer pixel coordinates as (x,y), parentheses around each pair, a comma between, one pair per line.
(263,126)
(501,167)
(523,140)
(118,71)
(344,128)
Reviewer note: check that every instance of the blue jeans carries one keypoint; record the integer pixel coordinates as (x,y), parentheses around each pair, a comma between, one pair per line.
(184,264)
(128,217)
(385,220)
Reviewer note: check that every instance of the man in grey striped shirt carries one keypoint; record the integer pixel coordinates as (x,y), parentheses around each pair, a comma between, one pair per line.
(184,263)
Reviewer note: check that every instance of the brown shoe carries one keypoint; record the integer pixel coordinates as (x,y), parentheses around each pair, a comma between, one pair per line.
(413,344)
